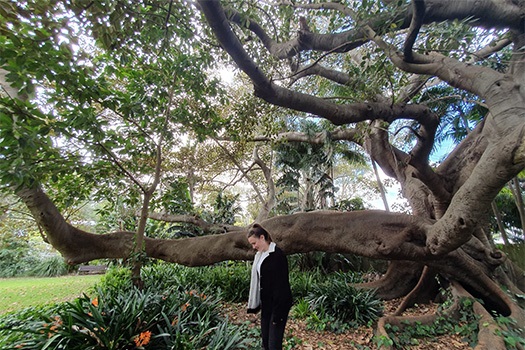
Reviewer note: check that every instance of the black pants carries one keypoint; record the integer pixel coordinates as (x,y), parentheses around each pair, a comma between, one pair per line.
(272,332)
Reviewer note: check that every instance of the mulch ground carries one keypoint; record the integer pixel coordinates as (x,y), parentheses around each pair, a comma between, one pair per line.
(361,338)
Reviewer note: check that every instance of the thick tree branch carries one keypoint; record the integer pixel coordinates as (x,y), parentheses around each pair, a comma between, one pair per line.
(468,205)
(418,15)
(388,286)
(395,236)
(219,24)
(476,79)
(306,40)
(406,168)
(486,13)
(196,221)
(319,70)
(455,228)
(374,234)
(272,93)
(319,138)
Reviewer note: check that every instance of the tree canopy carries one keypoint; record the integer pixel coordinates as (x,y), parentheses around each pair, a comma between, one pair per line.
(120,100)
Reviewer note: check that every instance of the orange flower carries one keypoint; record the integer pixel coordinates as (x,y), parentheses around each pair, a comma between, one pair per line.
(94,302)
(185,306)
(175,321)
(53,327)
(142,339)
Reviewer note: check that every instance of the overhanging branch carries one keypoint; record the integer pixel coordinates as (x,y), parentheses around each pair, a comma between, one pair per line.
(418,14)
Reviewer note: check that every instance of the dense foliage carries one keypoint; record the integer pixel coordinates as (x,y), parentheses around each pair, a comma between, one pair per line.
(179,308)
(22,257)
(116,315)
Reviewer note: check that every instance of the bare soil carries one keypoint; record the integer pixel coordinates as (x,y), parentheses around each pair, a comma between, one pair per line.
(360,338)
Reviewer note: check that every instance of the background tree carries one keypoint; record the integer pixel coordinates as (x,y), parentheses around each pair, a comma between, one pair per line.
(103,109)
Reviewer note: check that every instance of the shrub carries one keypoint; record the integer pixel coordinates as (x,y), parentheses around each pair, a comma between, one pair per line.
(229,280)
(18,263)
(226,337)
(116,280)
(130,320)
(162,276)
(301,309)
(340,302)
(50,267)
(14,263)
(20,257)
(303,282)
(331,303)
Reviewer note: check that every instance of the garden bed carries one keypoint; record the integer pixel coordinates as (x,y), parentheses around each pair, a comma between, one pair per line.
(303,338)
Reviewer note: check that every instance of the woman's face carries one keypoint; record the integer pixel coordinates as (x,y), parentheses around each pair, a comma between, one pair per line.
(258,243)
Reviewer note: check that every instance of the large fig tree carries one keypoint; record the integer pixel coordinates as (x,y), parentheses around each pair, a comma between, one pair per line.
(376,71)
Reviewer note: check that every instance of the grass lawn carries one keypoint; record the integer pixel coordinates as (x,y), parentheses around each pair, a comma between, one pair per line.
(19,293)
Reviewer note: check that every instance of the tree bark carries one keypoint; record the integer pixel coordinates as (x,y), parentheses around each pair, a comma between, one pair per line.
(373,234)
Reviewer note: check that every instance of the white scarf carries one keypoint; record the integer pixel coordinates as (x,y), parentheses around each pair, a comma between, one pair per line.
(254,299)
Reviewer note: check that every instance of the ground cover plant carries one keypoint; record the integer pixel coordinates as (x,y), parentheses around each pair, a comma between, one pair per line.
(228,280)
(338,305)
(179,308)
(116,315)
(187,308)
(467,328)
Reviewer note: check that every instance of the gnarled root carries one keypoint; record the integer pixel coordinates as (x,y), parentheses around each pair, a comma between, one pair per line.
(488,338)
(400,278)
(425,289)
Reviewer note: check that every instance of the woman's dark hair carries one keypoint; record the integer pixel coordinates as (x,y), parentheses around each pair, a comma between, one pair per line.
(258,231)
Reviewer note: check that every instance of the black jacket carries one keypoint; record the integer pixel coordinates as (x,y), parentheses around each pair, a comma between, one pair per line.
(276,294)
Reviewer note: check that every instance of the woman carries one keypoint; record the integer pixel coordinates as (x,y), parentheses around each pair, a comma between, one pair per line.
(269,287)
